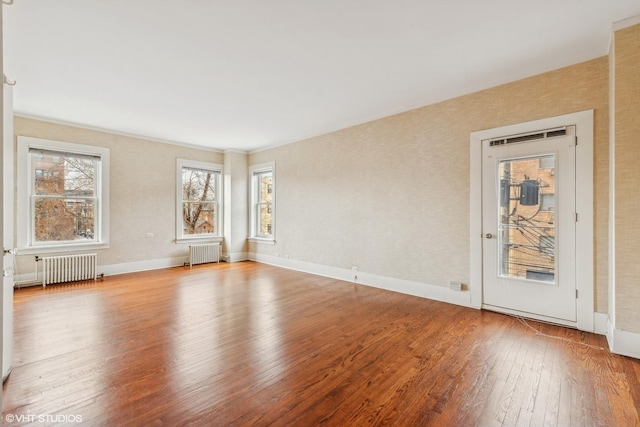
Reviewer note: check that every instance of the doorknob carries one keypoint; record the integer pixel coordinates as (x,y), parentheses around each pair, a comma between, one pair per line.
(489,236)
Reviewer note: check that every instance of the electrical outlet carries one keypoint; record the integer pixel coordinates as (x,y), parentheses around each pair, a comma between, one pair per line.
(455,286)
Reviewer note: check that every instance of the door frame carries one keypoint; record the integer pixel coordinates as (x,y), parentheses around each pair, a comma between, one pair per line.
(8,228)
(584,208)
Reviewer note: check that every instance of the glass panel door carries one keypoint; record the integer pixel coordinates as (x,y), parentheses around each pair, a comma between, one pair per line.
(529,227)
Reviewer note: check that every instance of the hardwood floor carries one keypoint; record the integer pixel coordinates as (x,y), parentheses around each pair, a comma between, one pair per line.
(250,344)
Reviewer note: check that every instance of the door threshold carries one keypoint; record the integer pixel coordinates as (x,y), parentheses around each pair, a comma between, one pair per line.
(532,316)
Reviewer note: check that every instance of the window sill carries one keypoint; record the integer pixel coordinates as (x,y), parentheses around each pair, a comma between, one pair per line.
(199,240)
(263,240)
(35,250)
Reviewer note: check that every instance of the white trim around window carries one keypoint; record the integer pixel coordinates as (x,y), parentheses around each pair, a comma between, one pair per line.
(26,236)
(262,203)
(214,232)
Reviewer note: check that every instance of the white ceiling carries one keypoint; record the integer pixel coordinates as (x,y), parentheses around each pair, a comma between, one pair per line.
(248,74)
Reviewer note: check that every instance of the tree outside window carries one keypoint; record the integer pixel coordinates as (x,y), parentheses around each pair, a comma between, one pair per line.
(64,196)
(199,201)
(199,193)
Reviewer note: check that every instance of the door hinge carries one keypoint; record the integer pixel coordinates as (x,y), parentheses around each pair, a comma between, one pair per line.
(576,294)
(576,216)
(576,140)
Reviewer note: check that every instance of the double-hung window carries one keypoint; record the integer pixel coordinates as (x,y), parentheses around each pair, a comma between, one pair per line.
(62,195)
(263,184)
(199,195)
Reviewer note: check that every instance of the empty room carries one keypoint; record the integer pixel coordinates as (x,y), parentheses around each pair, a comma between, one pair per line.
(403,213)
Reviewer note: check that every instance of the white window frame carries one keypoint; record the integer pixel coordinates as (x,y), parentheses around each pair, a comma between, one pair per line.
(25,240)
(204,237)
(254,172)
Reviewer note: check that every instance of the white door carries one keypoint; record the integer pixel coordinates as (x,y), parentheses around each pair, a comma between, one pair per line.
(529,224)
(8,235)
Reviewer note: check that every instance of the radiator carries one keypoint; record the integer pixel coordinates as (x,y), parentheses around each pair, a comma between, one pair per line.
(69,268)
(200,254)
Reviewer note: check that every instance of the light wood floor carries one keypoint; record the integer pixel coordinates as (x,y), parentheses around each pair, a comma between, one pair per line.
(249,344)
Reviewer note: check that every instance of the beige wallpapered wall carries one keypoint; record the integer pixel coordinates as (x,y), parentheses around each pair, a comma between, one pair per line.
(627,178)
(392,196)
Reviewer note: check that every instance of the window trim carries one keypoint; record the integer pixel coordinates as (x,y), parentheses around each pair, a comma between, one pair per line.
(253,196)
(24,223)
(199,238)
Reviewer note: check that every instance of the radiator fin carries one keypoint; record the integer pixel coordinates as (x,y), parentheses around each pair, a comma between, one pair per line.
(201,254)
(69,268)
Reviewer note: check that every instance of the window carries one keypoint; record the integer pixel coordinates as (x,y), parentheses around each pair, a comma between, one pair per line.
(199,194)
(262,209)
(62,195)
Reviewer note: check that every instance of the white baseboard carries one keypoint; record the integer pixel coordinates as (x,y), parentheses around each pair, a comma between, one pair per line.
(235,257)
(600,323)
(623,342)
(424,290)
(136,266)
(620,342)
(28,279)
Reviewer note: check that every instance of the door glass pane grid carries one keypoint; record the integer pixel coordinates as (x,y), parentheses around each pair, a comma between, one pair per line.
(526,220)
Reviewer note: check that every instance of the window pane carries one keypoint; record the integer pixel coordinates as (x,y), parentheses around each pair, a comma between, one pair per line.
(59,220)
(64,175)
(199,218)
(527,224)
(262,199)
(198,185)
(265,219)
(265,187)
